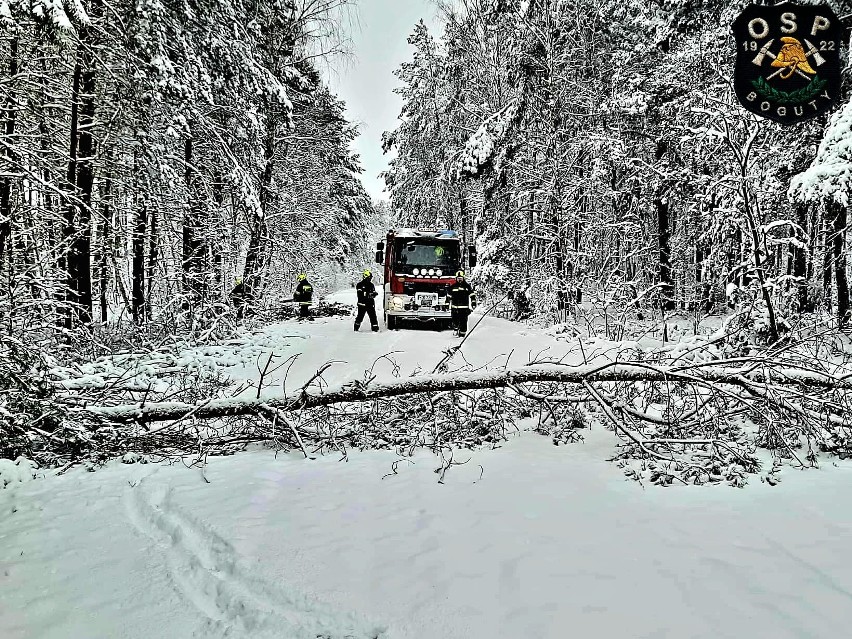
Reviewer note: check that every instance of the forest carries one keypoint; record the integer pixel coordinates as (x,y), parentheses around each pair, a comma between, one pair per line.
(154,151)
(597,148)
(640,426)
(592,151)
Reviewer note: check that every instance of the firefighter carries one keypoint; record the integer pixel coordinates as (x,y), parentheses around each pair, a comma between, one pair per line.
(462,302)
(302,295)
(523,308)
(239,297)
(367,301)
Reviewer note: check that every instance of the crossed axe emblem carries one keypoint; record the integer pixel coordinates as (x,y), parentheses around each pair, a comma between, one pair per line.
(791,59)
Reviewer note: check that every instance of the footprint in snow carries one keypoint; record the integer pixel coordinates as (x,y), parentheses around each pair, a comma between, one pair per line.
(207,571)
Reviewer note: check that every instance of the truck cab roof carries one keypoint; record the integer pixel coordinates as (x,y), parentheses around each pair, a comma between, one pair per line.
(424,233)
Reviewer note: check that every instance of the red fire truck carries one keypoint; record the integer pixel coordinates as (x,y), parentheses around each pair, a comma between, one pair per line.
(419,266)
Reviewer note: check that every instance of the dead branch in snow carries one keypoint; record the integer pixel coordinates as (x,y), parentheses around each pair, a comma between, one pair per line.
(276,414)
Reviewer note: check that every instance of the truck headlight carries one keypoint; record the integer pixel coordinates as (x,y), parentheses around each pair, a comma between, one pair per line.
(397,303)
(416,272)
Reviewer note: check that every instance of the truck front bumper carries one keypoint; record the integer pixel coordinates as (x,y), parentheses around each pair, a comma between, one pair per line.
(420,314)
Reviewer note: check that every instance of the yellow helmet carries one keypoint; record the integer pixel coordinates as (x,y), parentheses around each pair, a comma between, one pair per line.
(367,273)
(460,274)
(301,277)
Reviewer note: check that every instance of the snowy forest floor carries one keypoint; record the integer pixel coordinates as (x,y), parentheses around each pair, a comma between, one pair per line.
(525,540)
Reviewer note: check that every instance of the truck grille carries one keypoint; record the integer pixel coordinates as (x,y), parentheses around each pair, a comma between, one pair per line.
(410,288)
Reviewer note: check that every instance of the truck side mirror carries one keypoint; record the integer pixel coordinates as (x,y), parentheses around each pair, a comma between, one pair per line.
(380,253)
(471,252)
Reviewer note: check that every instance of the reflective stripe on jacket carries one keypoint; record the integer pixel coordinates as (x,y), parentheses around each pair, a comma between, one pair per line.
(304,292)
(366,292)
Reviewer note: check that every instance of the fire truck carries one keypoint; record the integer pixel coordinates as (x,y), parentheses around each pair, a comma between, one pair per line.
(419,266)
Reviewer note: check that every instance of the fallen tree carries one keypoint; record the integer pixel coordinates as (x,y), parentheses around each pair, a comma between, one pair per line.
(755,375)
(693,422)
(702,412)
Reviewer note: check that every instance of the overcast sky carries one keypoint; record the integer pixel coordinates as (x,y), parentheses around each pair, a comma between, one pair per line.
(366,82)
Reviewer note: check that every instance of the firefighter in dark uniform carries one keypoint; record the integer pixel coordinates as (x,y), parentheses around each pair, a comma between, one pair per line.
(523,307)
(239,297)
(302,295)
(367,301)
(462,302)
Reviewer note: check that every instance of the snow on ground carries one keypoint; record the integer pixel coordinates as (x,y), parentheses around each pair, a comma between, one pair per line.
(401,352)
(418,348)
(529,540)
(19,471)
(323,340)
(549,542)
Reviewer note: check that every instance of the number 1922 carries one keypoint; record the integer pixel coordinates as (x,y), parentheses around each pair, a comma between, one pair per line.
(824,45)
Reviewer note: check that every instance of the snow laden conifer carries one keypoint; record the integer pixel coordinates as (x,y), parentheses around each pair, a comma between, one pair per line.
(583,142)
(829,177)
(482,145)
(54,15)
(140,189)
(418,175)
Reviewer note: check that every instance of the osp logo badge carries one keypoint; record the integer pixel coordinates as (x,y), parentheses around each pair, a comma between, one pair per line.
(788,60)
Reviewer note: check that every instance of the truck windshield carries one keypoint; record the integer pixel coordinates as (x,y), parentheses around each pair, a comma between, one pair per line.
(411,254)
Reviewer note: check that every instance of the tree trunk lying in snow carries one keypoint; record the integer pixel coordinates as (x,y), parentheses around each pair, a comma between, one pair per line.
(750,374)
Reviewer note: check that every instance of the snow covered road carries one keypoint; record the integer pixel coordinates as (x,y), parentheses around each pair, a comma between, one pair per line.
(550,542)
(323,340)
(529,540)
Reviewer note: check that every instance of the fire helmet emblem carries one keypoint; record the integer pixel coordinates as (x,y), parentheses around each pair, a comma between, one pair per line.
(788,60)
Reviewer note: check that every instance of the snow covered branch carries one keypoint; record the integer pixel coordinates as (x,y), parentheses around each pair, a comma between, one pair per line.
(748,374)
(830,175)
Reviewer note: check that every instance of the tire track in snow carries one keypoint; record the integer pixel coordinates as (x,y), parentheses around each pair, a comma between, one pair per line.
(206,570)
